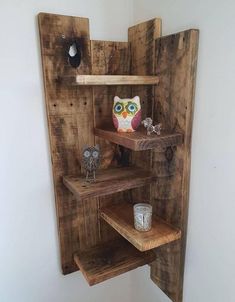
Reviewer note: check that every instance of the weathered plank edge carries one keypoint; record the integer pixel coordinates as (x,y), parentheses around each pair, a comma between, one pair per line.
(116,80)
(176,233)
(140,144)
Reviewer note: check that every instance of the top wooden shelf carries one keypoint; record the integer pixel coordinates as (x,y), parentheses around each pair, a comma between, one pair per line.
(116,80)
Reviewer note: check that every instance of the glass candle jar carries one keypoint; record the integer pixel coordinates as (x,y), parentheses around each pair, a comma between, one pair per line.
(142,217)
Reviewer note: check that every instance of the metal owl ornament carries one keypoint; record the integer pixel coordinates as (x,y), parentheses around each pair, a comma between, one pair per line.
(126,114)
(91,161)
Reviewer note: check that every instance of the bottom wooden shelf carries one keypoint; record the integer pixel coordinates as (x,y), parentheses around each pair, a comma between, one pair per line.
(110,259)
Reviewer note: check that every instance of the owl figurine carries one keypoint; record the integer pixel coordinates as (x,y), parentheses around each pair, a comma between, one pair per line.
(91,161)
(126,114)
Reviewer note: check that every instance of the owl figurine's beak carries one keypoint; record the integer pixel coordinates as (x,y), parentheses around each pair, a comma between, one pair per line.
(124,114)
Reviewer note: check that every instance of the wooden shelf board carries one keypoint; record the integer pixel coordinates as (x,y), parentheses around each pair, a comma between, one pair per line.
(116,80)
(121,218)
(110,259)
(139,140)
(108,181)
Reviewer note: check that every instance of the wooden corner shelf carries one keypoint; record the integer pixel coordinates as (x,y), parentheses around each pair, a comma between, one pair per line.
(121,218)
(116,80)
(78,92)
(108,181)
(139,140)
(110,259)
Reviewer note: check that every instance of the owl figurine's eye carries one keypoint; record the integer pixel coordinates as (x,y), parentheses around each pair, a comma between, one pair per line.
(118,108)
(87,153)
(95,154)
(131,107)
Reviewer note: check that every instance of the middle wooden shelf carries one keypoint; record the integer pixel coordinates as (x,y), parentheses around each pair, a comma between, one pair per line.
(108,181)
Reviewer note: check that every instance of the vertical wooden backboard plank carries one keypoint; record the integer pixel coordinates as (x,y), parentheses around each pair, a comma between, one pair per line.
(176,58)
(141,38)
(70,116)
(109,58)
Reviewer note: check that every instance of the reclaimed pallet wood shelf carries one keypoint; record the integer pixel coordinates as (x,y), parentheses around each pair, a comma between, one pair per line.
(139,140)
(121,218)
(79,91)
(110,259)
(109,181)
(116,80)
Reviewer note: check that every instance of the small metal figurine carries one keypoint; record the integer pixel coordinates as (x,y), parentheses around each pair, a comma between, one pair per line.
(148,123)
(91,161)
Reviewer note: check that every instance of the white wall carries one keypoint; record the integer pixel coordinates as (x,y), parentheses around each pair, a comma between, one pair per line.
(210,262)
(29,255)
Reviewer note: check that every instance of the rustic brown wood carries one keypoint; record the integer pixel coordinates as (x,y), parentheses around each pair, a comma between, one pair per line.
(70,116)
(116,80)
(73,111)
(109,260)
(139,140)
(141,39)
(121,218)
(107,182)
(109,58)
(176,58)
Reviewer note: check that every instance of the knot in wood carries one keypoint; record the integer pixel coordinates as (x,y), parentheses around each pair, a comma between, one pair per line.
(169,153)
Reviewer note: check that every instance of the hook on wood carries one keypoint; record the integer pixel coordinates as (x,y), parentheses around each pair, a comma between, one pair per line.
(74,54)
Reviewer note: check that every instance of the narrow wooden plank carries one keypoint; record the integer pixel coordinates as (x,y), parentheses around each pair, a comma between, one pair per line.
(109,58)
(176,58)
(139,140)
(141,39)
(121,218)
(108,181)
(116,80)
(70,116)
(112,259)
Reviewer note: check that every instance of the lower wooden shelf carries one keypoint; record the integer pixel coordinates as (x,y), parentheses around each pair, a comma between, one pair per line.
(110,259)
(121,218)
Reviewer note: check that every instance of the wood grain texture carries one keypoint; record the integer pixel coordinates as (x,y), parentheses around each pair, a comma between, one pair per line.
(73,111)
(109,58)
(176,58)
(70,123)
(108,181)
(139,140)
(109,260)
(116,80)
(141,39)
(121,218)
